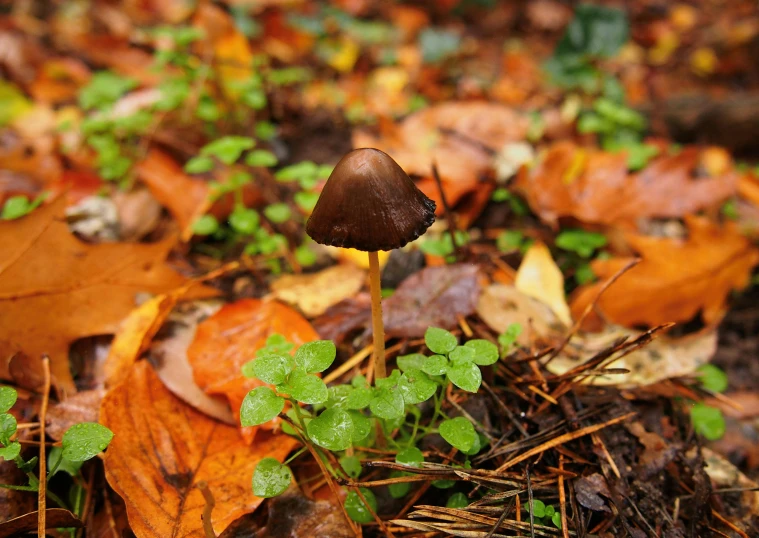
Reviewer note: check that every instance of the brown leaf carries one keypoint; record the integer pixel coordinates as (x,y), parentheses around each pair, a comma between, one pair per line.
(344,317)
(54,517)
(433,297)
(165,179)
(55,288)
(292,515)
(314,293)
(676,279)
(588,490)
(15,503)
(231,337)
(595,187)
(162,448)
(81,407)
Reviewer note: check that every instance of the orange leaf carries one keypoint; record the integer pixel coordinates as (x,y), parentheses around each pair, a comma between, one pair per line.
(675,278)
(231,337)
(165,179)
(55,288)
(603,192)
(162,448)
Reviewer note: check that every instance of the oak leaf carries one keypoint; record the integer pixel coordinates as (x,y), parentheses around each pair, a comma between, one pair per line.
(55,289)
(162,448)
(676,278)
(227,340)
(595,187)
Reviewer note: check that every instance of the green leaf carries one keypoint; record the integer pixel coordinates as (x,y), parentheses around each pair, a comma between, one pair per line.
(265,130)
(556,519)
(260,405)
(550,511)
(538,508)
(307,388)
(437,44)
(316,356)
(261,157)
(306,200)
(359,398)
(457,500)
(387,403)
(584,274)
(199,165)
(462,354)
(55,460)
(86,440)
(357,510)
(104,89)
(16,207)
(205,225)
(708,421)
(581,242)
(273,368)
(305,256)
(416,386)
(278,213)
(8,427)
(465,375)
(13,103)
(509,240)
(8,396)
(351,465)
(333,429)
(10,452)
(459,432)
(485,352)
(594,31)
(400,490)
(433,365)
(295,172)
(228,148)
(338,395)
(439,340)
(411,456)
(271,478)
(509,336)
(712,378)
(362,426)
(244,220)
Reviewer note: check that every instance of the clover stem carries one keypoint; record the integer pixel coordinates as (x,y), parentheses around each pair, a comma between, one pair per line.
(377,326)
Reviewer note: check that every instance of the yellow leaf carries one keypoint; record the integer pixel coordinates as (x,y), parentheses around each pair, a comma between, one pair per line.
(315,293)
(234,56)
(540,278)
(345,56)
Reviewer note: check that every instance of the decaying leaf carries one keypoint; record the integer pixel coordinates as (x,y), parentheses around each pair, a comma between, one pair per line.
(162,448)
(81,407)
(433,297)
(315,293)
(231,337)
(55,288)
(292,514)
(54,517)
(676,279)
(539,277)
(344,317)
(595,186)
(589,490)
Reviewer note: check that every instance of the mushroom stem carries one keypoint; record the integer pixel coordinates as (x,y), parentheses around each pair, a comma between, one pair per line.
(377,326)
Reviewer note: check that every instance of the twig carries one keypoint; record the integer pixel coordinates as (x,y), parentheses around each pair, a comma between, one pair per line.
(449,216)
(562,498)
(210,503)
(41,488)
(531,500)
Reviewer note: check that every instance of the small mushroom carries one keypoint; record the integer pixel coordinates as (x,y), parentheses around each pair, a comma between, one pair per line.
(369,203)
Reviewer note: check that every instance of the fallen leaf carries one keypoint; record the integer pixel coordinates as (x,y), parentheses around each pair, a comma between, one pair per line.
(433,297)
(14,502)
(162,448)
(292,514)
(314,293)
(595,187)
(168,355)
(80,407)
(344,317)
(726,475)
(55,289)
(539,277)
(231,337)
(589,489)
(165,178)
(54,517)
(460,137)
(676,278)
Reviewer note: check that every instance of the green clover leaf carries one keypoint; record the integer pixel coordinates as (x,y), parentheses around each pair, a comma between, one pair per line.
(306,388)
(439,340)
(316,356)
(356,508)
(416,386)
(485,352)
(260,405)
(271,478)
(272,368)
(465,375)
(84,441)
(459,433)
(333,429)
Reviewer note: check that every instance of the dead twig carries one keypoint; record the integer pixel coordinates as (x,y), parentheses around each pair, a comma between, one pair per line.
(42,487)
(210,503)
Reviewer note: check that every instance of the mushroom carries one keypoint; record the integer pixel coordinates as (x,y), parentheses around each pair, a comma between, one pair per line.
(369,203)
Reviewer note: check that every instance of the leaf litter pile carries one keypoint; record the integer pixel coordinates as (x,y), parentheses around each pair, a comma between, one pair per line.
(571,346)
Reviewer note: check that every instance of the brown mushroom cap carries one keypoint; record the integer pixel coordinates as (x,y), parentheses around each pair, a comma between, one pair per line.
(369,203)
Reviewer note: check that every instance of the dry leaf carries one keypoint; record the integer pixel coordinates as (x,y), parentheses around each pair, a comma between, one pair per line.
(231,337)
(539,277)
(54,517)
(162,448)
(433,297)
(292,515)
(676,279)
(165,179)
(80,407)
(314,293)
(595,187)
(344,317)
(55,288)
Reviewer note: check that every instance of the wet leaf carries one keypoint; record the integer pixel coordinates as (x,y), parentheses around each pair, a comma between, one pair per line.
(539,277)
(81,407)
(162,448)
(433,297)
(271,478)
(315,293)
(85,440)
